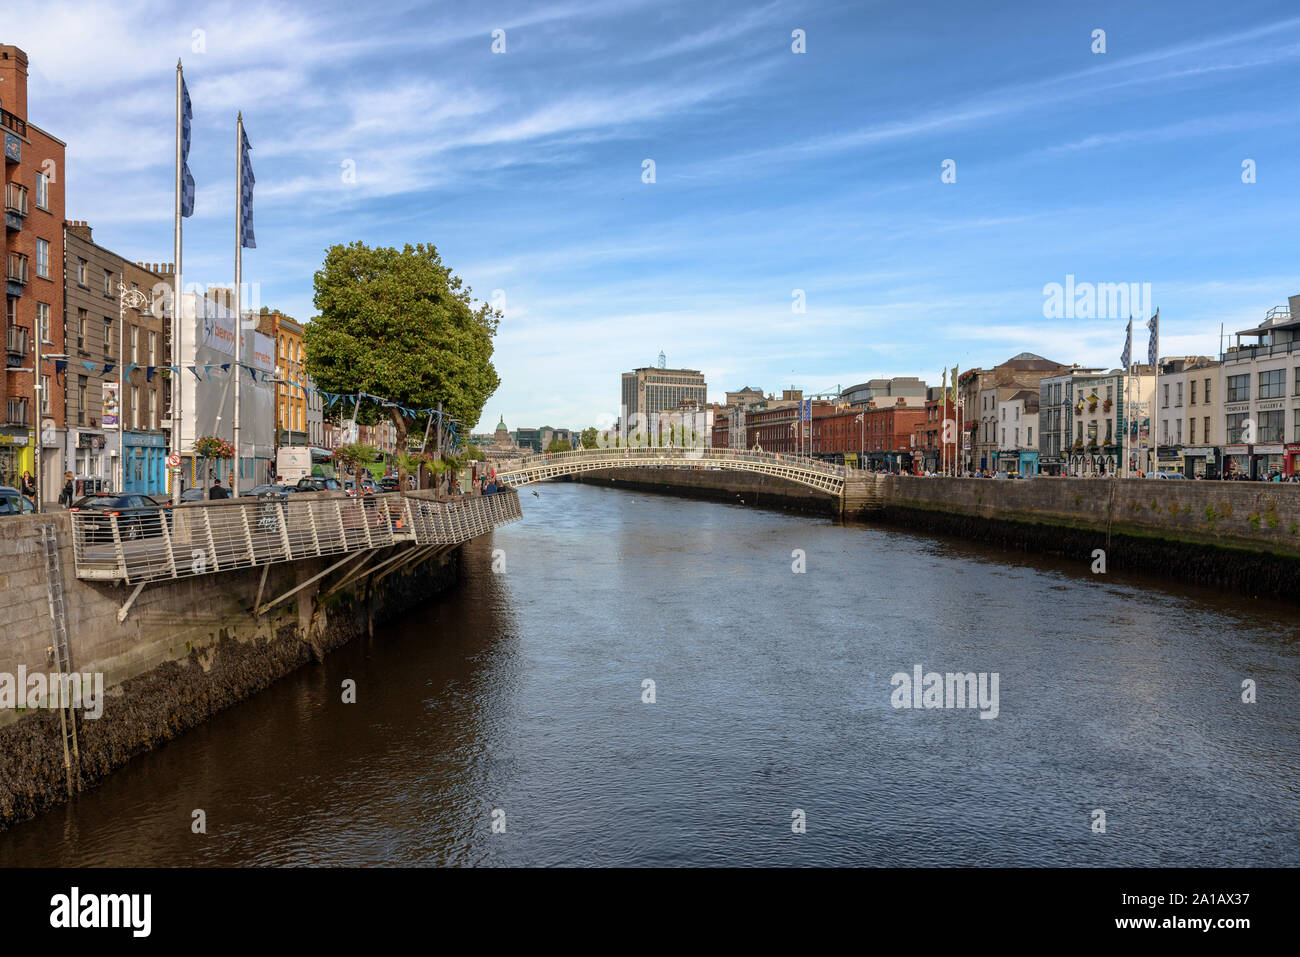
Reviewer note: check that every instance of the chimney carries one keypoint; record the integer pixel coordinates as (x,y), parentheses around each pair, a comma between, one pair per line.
(13,80)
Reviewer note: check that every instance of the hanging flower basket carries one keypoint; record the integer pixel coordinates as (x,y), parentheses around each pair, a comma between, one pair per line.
(1107,405)
(212,447)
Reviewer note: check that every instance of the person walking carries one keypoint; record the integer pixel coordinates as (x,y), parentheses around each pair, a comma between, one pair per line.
(69,490)
(217,491)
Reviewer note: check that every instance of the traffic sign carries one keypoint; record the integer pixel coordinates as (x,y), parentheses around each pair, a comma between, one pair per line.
(173,461)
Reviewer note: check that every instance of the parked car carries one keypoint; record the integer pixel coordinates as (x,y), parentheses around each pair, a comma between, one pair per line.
(193,494)
(316,484)
(389,483)
(367,487)
(280,490)
(12,502)
(138,516)
(1171,475)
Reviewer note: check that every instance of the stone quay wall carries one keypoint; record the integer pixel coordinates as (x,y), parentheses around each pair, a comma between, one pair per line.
(187,649)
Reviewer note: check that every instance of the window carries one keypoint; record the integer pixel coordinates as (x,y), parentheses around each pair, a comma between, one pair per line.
(1164,404)
(83,324)
(82,383)
(1268,426)
(1207,391)
(1192,385)
(1178,431)
(1272,385)
(108,283)
(43,322)
(1205,435)
(1164,431)
(1191,427)
(1234,424)
(153,348)
(1178,401)
(108,335)
(135,344)
(45,395)
(43,258)
(153,408)
(1238,387)
(1110,393)
(1029,435)
(43,191)
(81,272)
(135,407)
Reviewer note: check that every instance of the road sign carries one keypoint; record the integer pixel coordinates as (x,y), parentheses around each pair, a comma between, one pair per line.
(173,461)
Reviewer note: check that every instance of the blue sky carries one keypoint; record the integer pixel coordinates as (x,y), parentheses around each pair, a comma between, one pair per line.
(774,171)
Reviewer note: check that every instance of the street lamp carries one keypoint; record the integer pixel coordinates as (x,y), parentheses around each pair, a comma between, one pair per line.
(136,299)
(862,437)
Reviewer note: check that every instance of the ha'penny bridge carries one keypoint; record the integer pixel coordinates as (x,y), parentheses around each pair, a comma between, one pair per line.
(377,534)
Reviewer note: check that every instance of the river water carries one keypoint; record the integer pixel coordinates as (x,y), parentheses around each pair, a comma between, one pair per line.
(521,693)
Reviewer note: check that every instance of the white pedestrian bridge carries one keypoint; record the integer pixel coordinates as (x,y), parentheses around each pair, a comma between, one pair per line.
(822,476)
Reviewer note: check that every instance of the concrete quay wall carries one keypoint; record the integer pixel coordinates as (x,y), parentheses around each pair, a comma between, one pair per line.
(187,649)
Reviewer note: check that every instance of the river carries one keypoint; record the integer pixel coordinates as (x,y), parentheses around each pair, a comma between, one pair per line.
(518,697)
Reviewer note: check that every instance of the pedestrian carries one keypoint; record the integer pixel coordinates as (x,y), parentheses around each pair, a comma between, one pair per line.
(28,485)
(218,490)
(69,486)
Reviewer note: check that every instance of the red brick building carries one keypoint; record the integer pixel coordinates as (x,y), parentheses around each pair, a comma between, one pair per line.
(34,209)
(928,451)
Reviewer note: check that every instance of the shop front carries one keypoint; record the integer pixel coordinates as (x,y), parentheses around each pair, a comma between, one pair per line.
(146,454)
(16,456)
(1267,461)
(1291,459)
(1236,461)
(1050,465)
(1201,463)
(1169,460)
(1028,463)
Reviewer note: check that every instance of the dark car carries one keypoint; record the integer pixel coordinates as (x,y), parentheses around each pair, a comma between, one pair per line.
(12,502)
(315,484)
(388,483)
(193,494)
(138,516)
(280,490)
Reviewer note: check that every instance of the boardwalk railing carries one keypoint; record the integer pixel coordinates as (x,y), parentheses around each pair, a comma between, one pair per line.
(148,544)
(823,476)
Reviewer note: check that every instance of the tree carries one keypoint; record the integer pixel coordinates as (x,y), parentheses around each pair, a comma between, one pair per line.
(560,445)
(400,324)
(356,457)
(589,437)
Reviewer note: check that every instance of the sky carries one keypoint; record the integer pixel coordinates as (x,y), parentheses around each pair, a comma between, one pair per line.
(779,177)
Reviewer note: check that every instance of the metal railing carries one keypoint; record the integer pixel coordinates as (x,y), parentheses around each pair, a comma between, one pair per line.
(148,544)
(16,268)
(15,199)
(11,122)
(824,476)
(16,341)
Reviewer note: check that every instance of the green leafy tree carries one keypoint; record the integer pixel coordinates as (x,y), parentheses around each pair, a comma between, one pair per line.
(589,437)
(356,457)
(560,445)
(400,324)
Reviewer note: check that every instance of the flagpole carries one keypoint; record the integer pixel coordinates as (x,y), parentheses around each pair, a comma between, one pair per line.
(177,307)
(239,290)
(1155,404)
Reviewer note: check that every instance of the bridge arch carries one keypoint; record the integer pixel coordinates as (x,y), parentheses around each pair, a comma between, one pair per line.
(820,476)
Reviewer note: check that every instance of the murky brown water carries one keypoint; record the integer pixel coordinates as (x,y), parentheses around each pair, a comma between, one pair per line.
(522,691)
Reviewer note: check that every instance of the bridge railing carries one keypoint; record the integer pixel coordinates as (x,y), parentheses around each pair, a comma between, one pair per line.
(147,544)
(682,455)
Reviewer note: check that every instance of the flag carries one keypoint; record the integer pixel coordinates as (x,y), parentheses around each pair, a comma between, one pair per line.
(247,181)
(1153,346)
(1126,357)
(187,181)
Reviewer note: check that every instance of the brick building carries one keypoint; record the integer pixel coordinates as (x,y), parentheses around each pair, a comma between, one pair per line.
(34,208)
(112,373)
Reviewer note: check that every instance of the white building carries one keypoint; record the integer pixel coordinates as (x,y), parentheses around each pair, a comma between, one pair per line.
(1188,416)
(1017,422)
(1261,409)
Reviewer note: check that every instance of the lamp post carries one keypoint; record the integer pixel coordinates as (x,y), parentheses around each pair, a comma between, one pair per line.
(862,437)
(136,299)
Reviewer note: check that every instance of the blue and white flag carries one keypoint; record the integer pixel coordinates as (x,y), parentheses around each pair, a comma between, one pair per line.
(1153,346)
(187,181)
(1126,357)
(247,181)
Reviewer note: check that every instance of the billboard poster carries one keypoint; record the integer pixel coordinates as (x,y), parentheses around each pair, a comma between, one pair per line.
(111,408)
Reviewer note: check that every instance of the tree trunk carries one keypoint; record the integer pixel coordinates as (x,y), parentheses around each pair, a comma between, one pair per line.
(399,422)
